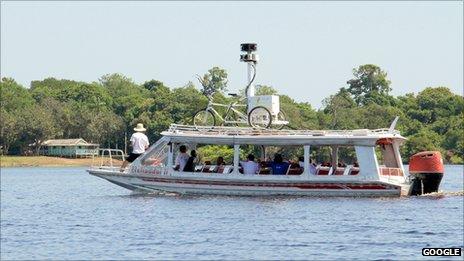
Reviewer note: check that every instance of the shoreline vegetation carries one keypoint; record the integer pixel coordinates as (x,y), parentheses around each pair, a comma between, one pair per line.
(105,111)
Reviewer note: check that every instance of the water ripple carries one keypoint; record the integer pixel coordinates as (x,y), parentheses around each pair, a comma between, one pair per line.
(66,214)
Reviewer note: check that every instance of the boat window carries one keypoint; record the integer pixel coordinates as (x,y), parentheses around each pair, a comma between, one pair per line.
(157,155)
(211,153)
(290,157)
(214,159)
(387,158)
(321,155)
(334,160)
(386,154)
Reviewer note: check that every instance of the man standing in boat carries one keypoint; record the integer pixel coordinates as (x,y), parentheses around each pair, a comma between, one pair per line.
(139,142)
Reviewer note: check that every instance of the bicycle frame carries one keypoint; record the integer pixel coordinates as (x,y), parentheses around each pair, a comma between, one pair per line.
(241,117)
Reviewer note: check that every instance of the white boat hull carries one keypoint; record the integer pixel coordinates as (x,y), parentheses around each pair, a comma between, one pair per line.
(244,187)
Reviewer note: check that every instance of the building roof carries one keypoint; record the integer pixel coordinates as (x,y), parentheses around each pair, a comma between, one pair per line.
(68,142)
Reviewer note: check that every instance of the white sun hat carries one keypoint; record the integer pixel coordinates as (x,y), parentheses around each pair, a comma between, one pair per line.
(140,127)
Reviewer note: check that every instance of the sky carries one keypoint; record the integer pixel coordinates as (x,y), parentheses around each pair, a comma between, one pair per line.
(307,49)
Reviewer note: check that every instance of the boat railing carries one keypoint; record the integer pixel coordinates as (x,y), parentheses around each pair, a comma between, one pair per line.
(108,159)
(233,130)
(385,171)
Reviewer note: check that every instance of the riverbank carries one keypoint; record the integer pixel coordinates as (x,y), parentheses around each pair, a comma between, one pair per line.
(42,161)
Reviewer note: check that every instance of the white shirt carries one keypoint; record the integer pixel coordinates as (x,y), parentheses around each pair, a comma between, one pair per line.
(250,167)
(139,142)
(312,168)
(181,160)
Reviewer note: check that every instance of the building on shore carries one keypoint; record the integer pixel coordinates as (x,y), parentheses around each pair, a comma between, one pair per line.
(74,148)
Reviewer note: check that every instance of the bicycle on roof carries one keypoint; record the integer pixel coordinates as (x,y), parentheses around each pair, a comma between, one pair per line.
(259,111)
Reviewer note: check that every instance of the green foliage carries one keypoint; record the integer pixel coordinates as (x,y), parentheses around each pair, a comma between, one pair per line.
(434,111)
(370,85)
(422,141)
(14,96)
(105,111)
(211,152)
(153,85)
(340,110)
(214,81)
(37,125)
(265,90)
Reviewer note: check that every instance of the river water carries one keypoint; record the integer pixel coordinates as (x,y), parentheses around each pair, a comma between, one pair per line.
(64,213)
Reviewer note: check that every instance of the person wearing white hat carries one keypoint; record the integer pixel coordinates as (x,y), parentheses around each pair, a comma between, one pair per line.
(139,142)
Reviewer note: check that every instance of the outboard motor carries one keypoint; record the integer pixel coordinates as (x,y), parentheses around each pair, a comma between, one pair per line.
(426,171)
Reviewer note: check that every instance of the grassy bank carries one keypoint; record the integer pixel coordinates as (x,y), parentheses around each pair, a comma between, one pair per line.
(42,161)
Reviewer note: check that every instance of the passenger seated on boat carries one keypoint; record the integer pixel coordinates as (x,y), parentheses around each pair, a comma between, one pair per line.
(220,164)
(219,169)
(294,169)
(354,170)
(190,165)
(279,167)
(313,167)
(301,161)
(220,161)
(182,158)
(264,167)
(249,166)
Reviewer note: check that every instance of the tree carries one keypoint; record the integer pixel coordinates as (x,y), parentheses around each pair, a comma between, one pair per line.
(265,90)
(9,130)
(152,85)
(370,85)
(14,96)
(374,116)
(439,102)
(341,109)
(214,81)
(54,88)
(128,97)
(37,125)
(424,140)
(299,115)
(14,99)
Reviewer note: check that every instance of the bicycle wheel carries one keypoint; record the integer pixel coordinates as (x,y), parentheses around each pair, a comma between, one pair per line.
(259,117)
(204,117)
(280,117)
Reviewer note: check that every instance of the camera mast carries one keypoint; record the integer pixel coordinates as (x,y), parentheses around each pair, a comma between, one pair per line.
(251,58)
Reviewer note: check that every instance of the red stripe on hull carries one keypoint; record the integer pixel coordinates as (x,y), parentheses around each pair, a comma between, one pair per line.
(354,186)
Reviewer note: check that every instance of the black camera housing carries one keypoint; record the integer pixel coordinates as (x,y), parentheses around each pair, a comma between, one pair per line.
(249,47)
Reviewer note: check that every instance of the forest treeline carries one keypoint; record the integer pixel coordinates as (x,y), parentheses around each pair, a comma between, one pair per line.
(105,111)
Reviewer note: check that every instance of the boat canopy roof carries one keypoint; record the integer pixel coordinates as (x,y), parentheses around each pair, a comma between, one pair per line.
(253,136)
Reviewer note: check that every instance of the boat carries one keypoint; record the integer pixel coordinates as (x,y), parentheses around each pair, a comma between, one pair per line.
(377,172)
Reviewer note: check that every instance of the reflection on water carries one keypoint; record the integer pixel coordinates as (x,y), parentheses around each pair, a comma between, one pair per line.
(64,213)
